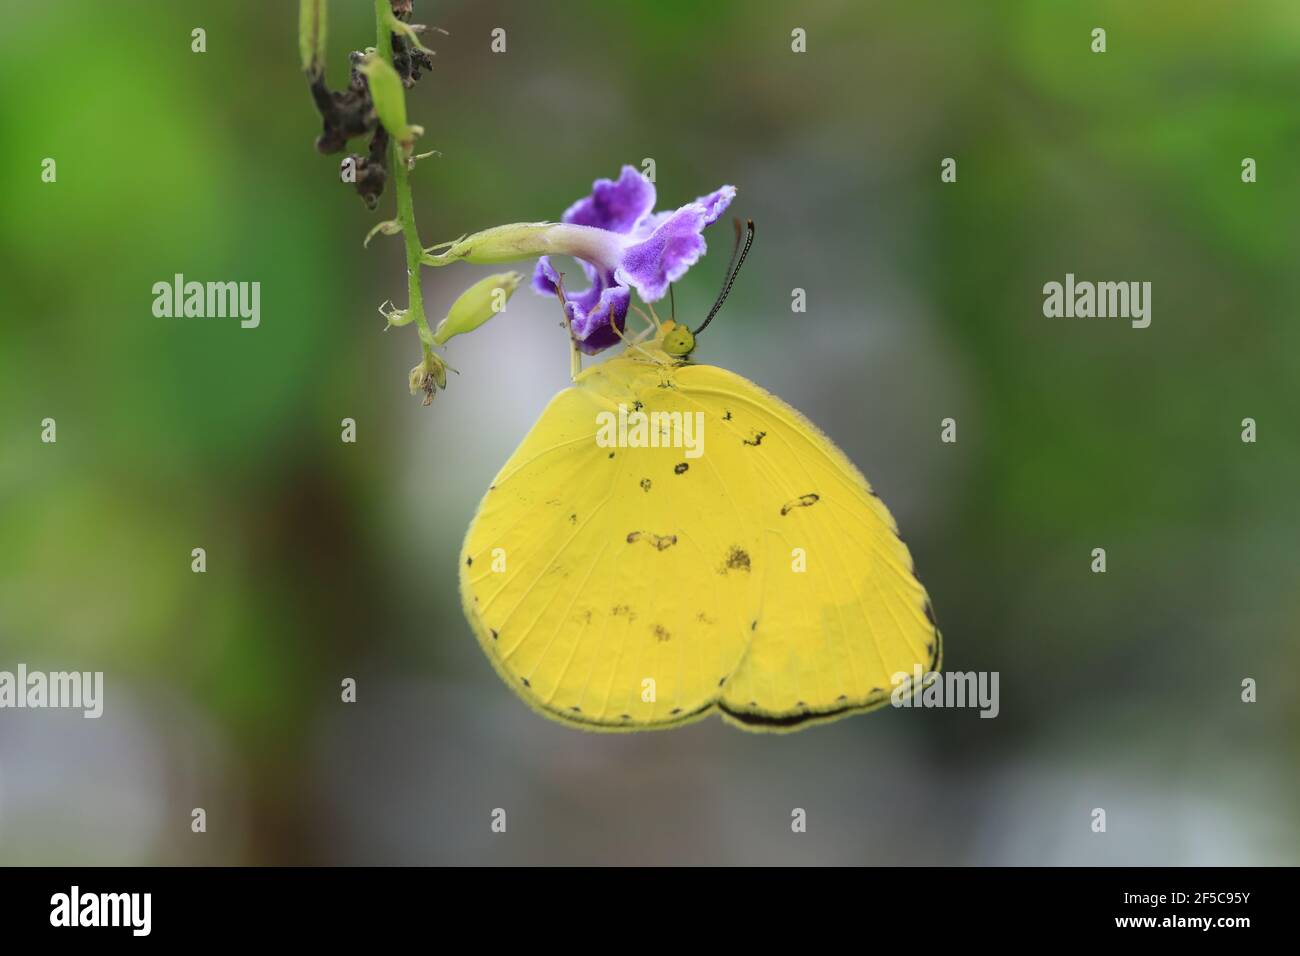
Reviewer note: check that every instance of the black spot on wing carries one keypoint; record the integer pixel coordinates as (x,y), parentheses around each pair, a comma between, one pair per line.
(737,559)
(660,542)
(803,501)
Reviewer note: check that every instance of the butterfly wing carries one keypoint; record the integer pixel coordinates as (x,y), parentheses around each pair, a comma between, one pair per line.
(590,578)
(839,611)
(626,588)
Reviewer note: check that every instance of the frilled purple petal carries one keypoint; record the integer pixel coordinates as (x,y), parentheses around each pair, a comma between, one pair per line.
(615,205)
(593,316)
(716,203)
(649,224)
(590,311)
(661,259)
(545,278)
(601,339)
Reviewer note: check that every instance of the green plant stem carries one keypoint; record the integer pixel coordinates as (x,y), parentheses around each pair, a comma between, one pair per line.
(402,188)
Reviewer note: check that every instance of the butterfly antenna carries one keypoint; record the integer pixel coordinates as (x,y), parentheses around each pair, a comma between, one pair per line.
(735,245)
(732,270)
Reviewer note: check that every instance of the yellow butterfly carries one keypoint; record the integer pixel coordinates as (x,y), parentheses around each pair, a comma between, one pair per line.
(670,540)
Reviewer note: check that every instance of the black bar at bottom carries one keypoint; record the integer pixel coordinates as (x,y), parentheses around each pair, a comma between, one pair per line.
(567,906)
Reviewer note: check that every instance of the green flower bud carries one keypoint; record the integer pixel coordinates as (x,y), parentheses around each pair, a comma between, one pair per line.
(389,97)
(477,304)
(311,36)
(395,316)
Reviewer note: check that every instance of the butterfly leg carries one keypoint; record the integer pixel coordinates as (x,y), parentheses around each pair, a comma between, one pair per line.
(650,327)
(575,357)
(632,343)
(642,335)
(654,315)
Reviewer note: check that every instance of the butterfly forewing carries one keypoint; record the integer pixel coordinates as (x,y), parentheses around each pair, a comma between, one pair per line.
(589,572)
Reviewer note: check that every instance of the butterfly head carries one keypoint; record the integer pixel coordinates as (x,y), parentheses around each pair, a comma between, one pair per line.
(678,341)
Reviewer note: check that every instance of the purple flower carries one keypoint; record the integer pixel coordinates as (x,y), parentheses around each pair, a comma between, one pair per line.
(644,250)
(592,313)
(620,243)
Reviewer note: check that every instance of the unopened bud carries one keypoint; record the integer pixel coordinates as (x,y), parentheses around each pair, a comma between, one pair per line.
(477,304)
(311,36)
(389,97)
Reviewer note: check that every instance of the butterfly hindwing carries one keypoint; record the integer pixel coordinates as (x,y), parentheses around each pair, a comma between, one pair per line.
(841,611)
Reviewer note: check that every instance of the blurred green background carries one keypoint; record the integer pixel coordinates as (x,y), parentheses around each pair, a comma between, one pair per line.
(329,560)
